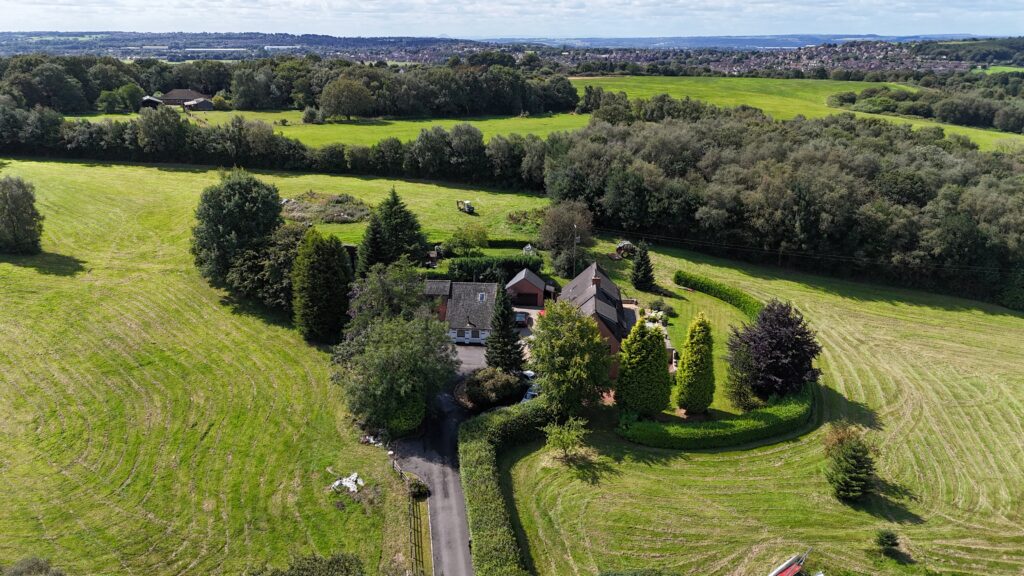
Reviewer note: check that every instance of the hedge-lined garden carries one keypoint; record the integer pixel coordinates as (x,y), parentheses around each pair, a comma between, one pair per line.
(495,550)
(778,418)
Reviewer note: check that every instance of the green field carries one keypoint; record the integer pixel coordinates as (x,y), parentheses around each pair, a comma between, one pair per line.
(937,378)
(781,99)
(1000,69)
(149,427)
(371,131)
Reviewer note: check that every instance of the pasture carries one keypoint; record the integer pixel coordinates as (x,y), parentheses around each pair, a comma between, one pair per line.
(938,381)
(780,98)
(148,425)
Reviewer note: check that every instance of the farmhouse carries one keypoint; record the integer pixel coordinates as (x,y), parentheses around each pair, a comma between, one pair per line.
(467,307)
(181,96)
(596,296)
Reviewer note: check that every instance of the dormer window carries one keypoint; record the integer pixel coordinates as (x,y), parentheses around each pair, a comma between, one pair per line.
(481,297)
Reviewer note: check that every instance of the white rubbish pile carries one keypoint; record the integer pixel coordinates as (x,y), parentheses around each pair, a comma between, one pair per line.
(353,482)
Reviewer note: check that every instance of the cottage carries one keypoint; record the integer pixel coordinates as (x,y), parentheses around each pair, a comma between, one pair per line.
(199,105)
(467,307)
(596,296)
(181,96)
(526,288)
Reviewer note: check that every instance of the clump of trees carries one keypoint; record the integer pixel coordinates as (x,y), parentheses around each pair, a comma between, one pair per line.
(644,384)
(771,357)
(695,376)
(566,230)
(21,224)
(851,466)
(321,275)
(571,359)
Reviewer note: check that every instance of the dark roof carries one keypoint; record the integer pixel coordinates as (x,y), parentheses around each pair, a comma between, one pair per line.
(603,300)
(437,287)
(471,305)
(183,94)
(528,275)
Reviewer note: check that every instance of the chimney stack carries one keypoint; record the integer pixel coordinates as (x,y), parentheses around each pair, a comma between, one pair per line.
(596,280)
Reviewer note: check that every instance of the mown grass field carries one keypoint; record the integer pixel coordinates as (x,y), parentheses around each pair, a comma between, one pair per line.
(1000,69)
(937,379)
(782,99)
(147,426)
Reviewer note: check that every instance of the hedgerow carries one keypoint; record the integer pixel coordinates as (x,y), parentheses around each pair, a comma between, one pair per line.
(745,302)
(774,419)
(476,268)
(495,549)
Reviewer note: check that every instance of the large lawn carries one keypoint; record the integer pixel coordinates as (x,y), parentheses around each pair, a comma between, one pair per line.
(781,99)
(146,425)
(939,380)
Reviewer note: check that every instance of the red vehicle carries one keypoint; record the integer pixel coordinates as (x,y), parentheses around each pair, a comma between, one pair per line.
(793,566)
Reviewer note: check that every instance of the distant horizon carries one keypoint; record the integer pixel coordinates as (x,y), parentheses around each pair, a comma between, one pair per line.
(480,19)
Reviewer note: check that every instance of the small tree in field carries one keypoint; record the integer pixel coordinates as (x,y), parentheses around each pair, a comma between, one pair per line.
(21,225)
(235,215)
(344,97)
(851,467)
(570,357)
(566,439)
(504,350)
(644,384)
(320,279)
(642,276)
(695,377)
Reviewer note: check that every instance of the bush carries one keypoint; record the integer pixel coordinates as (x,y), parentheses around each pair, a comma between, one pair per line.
(568,263)
(489,387)
(566,438)
(745,302)
(337,565)
(495,548)
(851,467)
(494,268)
(21,225)
(775,419)
(659,305)
(32,566)
(887,540)
(418,490)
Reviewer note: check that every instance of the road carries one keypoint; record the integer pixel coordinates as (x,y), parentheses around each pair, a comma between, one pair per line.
(434,457)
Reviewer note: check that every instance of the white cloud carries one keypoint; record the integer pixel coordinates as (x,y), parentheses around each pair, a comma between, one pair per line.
(479,18)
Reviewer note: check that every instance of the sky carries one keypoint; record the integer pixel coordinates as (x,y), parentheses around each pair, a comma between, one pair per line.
(522,18)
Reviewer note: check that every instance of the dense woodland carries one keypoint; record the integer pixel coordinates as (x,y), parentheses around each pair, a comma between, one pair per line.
(486,83)
(1010,50)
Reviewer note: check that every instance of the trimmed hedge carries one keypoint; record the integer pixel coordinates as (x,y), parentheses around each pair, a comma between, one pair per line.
(778,418)
(495,549)
(479,267)
(745,302)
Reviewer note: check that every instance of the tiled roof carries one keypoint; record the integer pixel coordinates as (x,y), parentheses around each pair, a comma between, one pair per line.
(471,305)
(528,275)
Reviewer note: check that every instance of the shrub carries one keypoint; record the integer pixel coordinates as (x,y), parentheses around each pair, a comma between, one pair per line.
(489,387)
(336,565)
(21,225)
(644,384)
(495,548)
(773,356)
(887,540)
(312,116)
(32,566)
(321,275)
(566,438)
(418,490)
(745,302)
(851,467)
(235,215)
(568,263)
(495,268)
(774,419)
(467,240)
(695,377)
(659,305)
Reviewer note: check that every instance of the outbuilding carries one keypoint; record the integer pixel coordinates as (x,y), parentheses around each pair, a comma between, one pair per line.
(199,105)
(526,289)
(150,102)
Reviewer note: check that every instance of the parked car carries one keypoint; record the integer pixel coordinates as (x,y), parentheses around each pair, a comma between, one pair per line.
(532,392)
(522,319)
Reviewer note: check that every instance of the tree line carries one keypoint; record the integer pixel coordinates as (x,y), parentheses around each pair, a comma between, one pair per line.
(481,85)
(847,196)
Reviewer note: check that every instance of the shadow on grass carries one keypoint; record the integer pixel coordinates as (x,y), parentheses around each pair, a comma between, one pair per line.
(243,307)
(360,122)
(49,263)
(889,502)
(587,466)
(839,407)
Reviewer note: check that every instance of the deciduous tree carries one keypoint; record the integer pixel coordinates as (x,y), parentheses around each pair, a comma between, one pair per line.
(346,97)
(570,357)
(21,224)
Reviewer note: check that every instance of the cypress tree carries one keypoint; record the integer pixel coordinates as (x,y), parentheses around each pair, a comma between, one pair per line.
(643,271)
(393,231)
(504,351)
(644,384)
(695,378)
(320,280)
